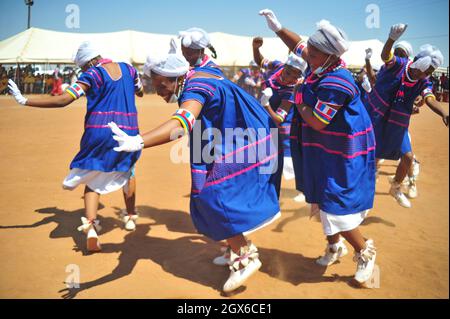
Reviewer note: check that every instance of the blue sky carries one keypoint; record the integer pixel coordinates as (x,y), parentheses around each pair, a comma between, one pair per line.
(427,19)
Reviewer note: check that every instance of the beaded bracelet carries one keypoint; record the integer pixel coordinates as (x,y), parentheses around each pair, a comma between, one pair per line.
(75,91)
(186,118)
(281,114)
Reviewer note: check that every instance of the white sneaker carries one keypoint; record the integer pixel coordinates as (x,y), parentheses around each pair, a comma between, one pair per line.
(90,228)
(248,258)
(396,192)
(333,253)
(300,198)
(129,220)
(223,260)
(412,189)
(365,262)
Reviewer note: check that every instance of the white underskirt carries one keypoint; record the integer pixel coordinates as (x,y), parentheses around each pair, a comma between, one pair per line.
(99,182)
(263,224)
(333,224)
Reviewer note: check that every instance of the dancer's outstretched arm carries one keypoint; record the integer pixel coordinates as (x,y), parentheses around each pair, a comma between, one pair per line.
(170,130)
(290,38)
(43,102)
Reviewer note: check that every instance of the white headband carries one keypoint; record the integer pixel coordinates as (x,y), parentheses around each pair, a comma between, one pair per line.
(297,62)
(428,56)
(406,46)
(85,53)
(329,39)
(169,65)
(194,38)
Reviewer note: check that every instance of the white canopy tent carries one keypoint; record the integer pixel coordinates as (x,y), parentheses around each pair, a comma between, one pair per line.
(45,46)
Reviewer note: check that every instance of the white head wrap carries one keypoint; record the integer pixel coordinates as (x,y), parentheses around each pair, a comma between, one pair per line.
(85,53)
(297,62)
(329,39)
(406,46)
(428,56)
(253,63)
(170,64)
(194,38)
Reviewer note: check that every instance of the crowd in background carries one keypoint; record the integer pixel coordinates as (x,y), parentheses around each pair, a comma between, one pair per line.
(31,80)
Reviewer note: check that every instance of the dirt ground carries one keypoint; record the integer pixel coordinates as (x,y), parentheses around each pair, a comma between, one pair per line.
(165,257)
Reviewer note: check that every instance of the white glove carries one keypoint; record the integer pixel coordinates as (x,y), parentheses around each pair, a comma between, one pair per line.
(271,20)
(266,95)
(368,53)
(126,143)
(397,30)
(16,92)
(366,84)
(250,81)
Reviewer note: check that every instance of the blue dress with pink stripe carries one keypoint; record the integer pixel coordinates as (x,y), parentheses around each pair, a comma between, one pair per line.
(233,152)
(281,92)
(390,105)
(108,100)
(335,167)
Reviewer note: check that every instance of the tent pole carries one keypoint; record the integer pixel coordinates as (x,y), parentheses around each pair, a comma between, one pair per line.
(29,16)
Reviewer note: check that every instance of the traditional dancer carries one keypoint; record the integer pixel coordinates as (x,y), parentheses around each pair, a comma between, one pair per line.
(233,189)
(194,41)
(278,90)
(391,104)
(337,146)
(250,79)
(109,88)
(402,49)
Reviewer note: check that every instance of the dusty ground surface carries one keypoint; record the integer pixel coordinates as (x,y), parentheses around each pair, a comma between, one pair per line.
(165,257)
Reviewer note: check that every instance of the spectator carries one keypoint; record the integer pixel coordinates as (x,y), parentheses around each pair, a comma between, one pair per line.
(17,75)
(57,81)
(3,83)
(29,83)
(38,85)
(48,84)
